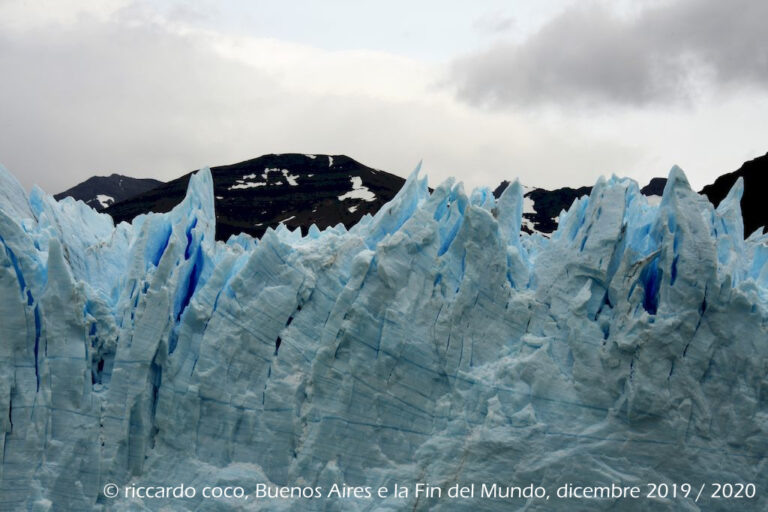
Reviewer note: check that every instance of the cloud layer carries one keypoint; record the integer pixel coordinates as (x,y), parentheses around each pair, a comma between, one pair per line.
(101,87)
(589,55)
(133,93)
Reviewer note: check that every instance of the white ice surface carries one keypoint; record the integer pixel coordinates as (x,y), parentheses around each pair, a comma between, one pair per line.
(430,343)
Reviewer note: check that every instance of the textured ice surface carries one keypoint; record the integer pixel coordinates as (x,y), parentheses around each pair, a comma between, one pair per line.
(429,343)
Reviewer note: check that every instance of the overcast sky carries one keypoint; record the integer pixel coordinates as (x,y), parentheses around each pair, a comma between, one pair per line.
(555,92)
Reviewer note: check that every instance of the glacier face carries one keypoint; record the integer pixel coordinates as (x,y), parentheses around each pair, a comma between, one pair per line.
(430,343)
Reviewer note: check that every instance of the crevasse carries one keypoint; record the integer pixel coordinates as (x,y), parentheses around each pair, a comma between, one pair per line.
(431,343)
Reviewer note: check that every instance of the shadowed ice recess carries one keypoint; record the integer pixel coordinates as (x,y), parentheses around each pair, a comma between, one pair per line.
(432,342)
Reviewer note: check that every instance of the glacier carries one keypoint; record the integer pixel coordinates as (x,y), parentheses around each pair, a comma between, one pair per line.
(432,342)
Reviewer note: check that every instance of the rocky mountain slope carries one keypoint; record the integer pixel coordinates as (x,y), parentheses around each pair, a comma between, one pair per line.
(99,192)
(292,189)
(300,190)
(755,176)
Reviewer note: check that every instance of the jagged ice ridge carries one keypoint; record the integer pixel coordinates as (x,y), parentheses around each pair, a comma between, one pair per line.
(431,342)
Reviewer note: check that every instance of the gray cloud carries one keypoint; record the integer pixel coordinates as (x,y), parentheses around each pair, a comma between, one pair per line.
(97,98)
(588,55)
(134,95)
(101,97)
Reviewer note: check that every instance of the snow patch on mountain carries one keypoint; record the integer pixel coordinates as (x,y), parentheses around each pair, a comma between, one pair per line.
(359,191)
(248,184)
(104,200)
(243,182)
(290,178)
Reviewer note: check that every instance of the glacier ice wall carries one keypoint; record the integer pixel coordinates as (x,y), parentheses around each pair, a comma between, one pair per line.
(429,343)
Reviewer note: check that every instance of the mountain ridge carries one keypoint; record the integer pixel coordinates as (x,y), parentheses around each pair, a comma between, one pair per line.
(293,189)
(99,192)
(755,175)
(249,197)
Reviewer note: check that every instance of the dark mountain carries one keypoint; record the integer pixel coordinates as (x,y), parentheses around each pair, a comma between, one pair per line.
(655,187)
(542,206)
(294,189)
(99,192)
(299,190)
(753,210)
